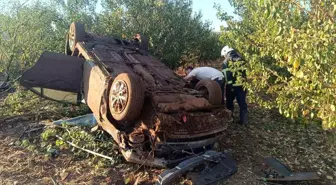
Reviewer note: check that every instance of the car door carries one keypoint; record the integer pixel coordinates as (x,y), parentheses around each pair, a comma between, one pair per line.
(56,76)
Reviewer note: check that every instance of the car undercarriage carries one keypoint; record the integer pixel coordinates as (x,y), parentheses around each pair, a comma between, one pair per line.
(147,109)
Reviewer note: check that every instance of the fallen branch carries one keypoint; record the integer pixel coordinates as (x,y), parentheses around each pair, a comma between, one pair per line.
(16,116)
(34,129)
(24,131)
(86,150)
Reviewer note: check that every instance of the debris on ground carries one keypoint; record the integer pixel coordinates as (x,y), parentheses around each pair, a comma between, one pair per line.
(272,170)
(87,120)
(209,168)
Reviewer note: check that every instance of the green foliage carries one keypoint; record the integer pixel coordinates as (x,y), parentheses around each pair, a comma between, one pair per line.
(175,33)
(51,146)
(25,32)
(290,49)
(98,141)
(18,103)
(23,102)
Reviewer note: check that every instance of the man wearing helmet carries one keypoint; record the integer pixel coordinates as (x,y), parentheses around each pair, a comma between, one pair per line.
(233,89)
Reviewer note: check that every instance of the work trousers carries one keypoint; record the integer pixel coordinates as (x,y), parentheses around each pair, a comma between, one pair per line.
(237,92)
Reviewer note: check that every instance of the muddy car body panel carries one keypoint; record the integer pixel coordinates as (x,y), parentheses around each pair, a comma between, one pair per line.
(165,117)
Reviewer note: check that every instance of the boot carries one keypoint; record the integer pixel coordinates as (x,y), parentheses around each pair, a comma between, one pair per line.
(243,117)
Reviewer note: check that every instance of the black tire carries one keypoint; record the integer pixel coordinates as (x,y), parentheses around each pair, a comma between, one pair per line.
(129,109)
(212,91)
(67,50)
(76,34)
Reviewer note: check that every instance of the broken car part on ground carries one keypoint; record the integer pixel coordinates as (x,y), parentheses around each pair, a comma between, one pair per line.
(141,103)
(205,169)
(272,170)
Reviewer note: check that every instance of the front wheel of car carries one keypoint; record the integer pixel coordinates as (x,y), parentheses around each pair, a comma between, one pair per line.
(126,97)
(211,90)
(67,46)
(76,34)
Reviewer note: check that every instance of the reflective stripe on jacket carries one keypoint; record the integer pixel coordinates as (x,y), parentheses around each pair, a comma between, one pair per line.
(230,79)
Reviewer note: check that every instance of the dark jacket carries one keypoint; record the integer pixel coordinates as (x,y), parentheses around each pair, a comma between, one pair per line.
(232,56)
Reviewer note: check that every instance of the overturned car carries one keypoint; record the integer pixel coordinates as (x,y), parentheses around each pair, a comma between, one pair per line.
(148,110)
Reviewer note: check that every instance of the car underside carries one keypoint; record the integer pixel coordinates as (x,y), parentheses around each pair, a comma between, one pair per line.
(148,110)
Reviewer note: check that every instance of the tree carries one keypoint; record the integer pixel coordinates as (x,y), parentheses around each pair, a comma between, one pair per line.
(25,33)
(83,11)
(290,49)
(177,35)
(175,32)
(26,30)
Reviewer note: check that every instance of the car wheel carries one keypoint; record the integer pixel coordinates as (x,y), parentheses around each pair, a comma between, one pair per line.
(211,90)
(67,46)
(126,97)
(76,34)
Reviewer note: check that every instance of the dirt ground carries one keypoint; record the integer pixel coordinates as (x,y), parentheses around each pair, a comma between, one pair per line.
(268,134)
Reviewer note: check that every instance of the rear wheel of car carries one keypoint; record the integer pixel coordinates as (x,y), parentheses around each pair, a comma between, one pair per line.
(126,97)
(67,46)
(211,90)
(76,34)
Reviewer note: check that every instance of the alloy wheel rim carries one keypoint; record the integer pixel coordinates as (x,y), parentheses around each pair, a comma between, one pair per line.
(119,96)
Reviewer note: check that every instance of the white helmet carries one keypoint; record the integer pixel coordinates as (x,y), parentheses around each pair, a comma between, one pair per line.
(225,50)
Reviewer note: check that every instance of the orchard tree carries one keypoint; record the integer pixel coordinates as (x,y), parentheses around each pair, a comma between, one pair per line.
(177,35)
(28,29)
(83,11)
(289,48)
(175,32)
(25,32)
